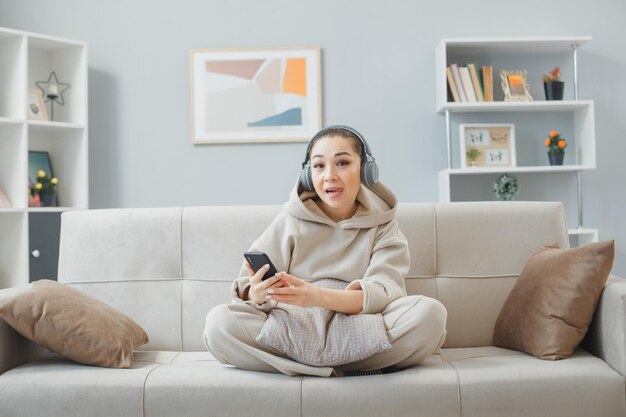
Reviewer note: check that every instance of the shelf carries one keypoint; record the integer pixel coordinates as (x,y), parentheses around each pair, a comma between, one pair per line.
(499,170)
(573,118)
(68,61)
(11,210)
(26,58)
(39,209)
(47,43)
(53,209)
(53,125)
(514,53)
(13,75)
(67,147)
(13,162)
(14,249)
(10,121)
(582,231)
(582,236)
(509,106)
(515,44)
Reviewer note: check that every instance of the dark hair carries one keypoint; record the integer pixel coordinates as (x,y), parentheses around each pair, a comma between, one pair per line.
(357,145)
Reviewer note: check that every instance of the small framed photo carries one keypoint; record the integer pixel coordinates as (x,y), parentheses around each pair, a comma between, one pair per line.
(36,106)
(255,94)
(487,145)
(515,86)
(4,200)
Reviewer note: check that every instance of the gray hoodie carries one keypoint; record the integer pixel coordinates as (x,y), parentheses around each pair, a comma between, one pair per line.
(367,250)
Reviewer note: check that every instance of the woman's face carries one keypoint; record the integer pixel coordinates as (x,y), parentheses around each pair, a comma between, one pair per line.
(336,174)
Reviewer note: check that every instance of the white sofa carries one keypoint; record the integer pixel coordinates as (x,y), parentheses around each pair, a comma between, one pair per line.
(166,267)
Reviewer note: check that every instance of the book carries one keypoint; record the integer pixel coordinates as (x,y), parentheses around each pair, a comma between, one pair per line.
(478,88)
(457,80)
(466,80)
(488,82)
(452,84)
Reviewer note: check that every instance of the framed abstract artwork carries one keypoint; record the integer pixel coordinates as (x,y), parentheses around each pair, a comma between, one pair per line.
(255,95)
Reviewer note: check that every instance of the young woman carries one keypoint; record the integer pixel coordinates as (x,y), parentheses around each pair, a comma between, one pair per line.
(339,223)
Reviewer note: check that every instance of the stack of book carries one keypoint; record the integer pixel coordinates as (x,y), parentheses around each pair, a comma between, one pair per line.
(468,84)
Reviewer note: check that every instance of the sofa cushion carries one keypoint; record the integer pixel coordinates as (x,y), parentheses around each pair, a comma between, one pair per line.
(501,382)
(74,325)
(479,253)
(218,389)
(195,384)
(430,389)
(62,388)
(548,311)
(486,381)
(171,254)
(159,313)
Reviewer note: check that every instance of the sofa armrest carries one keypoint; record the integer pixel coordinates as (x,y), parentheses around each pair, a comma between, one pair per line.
(15,349)
(606,337)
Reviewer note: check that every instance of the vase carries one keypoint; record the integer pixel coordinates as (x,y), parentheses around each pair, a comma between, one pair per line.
(47,198)
(554,90)
(556,158)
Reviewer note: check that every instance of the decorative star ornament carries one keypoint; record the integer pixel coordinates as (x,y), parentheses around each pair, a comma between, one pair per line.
(53,90)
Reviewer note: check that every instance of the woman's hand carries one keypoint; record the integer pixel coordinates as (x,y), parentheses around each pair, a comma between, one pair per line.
(258,287)
(296,291)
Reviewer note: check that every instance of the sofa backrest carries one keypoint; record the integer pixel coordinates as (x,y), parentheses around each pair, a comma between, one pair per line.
(167,267)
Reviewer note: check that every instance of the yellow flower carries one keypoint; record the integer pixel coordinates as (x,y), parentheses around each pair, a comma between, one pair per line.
(41,173)
(54,181)
(553,133)
(561,144)
(38,186)
(548,141)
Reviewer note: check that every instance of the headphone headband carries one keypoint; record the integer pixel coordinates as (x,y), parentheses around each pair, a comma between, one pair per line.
(369,169)
(366,148)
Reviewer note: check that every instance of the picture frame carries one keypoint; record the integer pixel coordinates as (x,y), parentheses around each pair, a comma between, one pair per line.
(4,200)
(515,85)
(494,142)
(38,160)
(36,107)
(247,95)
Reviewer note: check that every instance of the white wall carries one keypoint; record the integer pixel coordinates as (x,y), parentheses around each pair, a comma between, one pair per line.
(140,152)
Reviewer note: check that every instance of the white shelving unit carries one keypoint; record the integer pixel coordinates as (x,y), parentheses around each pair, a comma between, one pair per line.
(25,58)
(573,116)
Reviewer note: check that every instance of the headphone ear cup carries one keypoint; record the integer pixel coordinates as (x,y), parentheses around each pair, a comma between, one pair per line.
(369,173)
(306,179)
(309,179)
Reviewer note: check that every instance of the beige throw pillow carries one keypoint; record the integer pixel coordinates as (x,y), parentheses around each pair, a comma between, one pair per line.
(74,325)
(553,301)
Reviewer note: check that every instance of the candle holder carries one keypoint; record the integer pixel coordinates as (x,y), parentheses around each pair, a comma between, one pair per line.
(52,92)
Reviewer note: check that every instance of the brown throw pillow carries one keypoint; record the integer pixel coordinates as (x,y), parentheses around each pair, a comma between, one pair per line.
(74,325)
(553,301)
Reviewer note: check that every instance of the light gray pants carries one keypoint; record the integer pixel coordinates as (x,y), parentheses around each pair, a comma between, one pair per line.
(416,326)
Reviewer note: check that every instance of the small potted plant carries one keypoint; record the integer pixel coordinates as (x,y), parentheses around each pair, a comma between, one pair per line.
(506,187)
(45,187)
(552,85)
(473,155)
(556,145)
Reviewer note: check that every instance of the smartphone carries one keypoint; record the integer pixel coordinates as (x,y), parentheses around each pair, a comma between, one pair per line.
(257,260)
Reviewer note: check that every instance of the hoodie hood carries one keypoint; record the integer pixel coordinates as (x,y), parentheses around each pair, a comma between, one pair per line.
(377,205)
